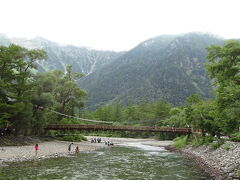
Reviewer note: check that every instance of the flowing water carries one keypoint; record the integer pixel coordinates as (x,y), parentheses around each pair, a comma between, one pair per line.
(133,161)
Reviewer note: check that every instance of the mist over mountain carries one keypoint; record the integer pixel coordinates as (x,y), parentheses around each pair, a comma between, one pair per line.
(83,60)
(169,67)
(166,67)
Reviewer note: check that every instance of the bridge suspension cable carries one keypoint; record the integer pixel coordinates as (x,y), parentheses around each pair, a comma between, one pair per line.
(106,122)
(89,120)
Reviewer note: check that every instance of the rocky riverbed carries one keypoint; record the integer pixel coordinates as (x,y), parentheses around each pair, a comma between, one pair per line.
(222,163)
(46,150)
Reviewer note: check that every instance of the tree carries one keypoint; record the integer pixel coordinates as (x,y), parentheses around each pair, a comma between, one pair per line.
(161,110)
(208,120)
(25,97)
(42,98)
(191,117)
(224,69)
(117,112)
(131,114)
(177,118)
(66,92)
(16,80)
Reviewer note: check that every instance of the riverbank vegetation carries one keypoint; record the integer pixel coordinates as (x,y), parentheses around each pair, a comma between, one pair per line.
(198,140)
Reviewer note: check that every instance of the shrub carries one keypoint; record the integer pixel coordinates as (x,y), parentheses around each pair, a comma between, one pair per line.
(197,142)
(52,133)
(208,139)
(227,147)
(235,137)
(180,142)
(76,138)
(216,144)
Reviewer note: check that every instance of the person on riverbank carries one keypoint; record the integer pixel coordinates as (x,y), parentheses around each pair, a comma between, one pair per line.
(69,148)
(36,149)
(77,150)
(108,142)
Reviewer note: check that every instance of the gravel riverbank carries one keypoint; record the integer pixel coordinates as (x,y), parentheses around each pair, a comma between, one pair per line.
(222,163)
(49,149)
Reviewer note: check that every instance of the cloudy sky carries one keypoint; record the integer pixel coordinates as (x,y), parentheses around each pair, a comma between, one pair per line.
(116,24)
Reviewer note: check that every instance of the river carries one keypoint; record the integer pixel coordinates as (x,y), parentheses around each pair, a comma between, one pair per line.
(130,160)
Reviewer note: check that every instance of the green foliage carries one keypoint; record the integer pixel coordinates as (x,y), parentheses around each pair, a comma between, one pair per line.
(57,91)
(16,83)
(165,136)
(180,142)
(216,144)
(70,121)
(197,141)
(224,69)
(177,118)
(74,138)
(227,146)
(25,98)
(161,110)
(235,137)
(143,114)
(66,93)
(52,133)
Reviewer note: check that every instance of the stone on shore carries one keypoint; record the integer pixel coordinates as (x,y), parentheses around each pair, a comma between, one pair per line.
(223,163)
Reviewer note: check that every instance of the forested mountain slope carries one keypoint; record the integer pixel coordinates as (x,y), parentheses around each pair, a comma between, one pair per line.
(83,60)
(167,67)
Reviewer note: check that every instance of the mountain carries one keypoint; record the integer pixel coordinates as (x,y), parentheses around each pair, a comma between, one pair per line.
(83,60)
(169,67)
(166,67)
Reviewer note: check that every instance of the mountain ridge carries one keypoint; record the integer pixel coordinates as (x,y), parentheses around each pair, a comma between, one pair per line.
(165,67)
(168,67)
(83,60)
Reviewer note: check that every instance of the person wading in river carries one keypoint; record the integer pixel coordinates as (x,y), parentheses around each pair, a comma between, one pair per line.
(77,150)
(69,148)
(36,149)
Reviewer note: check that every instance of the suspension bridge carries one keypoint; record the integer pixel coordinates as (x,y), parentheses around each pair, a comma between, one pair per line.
(104,127)
(118,128)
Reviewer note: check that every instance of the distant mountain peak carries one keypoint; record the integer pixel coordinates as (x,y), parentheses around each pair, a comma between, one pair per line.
(82,59)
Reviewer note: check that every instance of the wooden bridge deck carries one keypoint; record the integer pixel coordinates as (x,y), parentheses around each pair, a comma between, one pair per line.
(117,128)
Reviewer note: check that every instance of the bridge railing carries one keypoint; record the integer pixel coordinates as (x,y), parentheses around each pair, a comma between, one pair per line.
(117,128)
